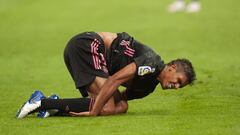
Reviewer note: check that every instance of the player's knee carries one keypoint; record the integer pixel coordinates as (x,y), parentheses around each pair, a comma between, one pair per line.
(125,107)
(109,110)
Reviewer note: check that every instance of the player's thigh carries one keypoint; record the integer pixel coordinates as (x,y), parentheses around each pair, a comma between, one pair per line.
(95,88)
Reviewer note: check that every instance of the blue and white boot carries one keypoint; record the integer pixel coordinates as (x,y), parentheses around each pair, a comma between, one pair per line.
(47,113)
(31,105)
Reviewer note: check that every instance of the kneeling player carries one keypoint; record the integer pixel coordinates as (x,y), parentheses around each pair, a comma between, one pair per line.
(100,62)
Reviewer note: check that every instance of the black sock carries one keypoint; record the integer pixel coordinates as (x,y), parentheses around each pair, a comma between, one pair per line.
(67,105)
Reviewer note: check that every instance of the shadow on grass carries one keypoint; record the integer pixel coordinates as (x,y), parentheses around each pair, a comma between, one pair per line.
(153,112)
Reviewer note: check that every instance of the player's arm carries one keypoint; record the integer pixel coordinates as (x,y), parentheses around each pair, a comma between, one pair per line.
(117,104)
(111,85)
(120,105)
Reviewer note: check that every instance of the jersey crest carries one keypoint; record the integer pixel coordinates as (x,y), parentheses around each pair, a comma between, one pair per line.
(128,50)
(143,70)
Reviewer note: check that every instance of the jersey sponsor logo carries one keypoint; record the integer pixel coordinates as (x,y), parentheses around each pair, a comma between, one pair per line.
(128,51)
(143,70)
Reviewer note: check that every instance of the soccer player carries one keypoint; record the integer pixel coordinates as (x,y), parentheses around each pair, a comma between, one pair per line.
(179,5)
(99,62)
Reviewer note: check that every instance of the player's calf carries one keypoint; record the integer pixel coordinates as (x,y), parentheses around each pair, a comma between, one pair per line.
(47,113)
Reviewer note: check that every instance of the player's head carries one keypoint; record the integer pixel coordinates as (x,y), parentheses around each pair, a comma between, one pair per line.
(176,74)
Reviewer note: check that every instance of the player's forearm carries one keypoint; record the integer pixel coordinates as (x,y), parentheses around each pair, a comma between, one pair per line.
(111,85)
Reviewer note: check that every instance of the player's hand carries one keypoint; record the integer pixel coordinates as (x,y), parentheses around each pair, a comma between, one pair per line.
(74,114)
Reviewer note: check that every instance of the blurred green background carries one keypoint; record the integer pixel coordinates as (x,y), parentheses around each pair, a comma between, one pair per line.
(33,35)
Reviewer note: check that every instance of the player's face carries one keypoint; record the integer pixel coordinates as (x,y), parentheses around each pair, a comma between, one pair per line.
(171,79)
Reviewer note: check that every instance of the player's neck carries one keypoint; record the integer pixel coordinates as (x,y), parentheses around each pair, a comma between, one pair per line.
(161,75)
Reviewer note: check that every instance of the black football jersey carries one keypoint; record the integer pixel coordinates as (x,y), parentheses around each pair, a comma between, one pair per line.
(125,50)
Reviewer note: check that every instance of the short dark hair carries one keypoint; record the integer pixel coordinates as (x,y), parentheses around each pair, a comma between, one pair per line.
(185,66)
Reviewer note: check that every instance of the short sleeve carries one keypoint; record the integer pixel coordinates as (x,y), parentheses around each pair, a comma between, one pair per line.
(147,63)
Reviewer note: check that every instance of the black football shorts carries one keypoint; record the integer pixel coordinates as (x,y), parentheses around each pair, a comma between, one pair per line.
(85,58)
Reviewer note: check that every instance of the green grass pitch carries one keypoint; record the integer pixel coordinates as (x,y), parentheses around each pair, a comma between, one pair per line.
(33,34)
